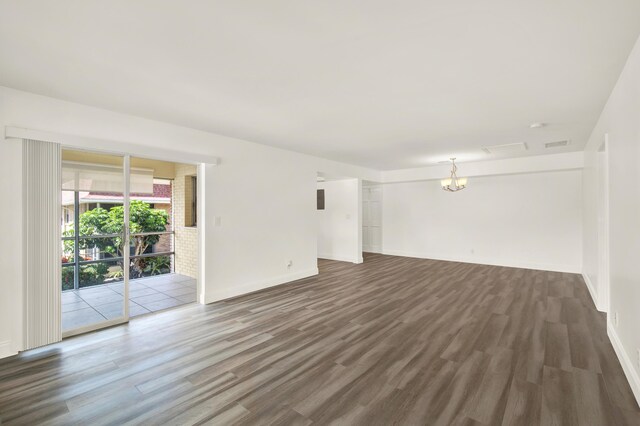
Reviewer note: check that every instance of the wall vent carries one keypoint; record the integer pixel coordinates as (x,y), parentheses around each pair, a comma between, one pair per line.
(556,144)
(505,148)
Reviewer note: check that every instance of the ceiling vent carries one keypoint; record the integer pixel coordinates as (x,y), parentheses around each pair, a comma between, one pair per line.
(508,148)
(556,144)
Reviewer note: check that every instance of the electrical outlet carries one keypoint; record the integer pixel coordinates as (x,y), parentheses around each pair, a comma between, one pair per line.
(289,263)
(614,319)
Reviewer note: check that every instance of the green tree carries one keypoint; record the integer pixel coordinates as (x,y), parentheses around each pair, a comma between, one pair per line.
(142,219)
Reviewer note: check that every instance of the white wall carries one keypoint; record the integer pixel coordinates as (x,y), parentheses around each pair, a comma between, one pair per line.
(260,228)
(527,220)
(10,247)
(338,223)
(620,119)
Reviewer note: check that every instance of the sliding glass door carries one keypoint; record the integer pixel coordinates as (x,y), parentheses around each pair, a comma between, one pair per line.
(95,240)
(119,216)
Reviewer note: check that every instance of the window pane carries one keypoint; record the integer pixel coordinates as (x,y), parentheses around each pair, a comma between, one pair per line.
(145,218)
(109,271)
(189,193)
(67,251)
(194,207)
(93,187)
(66,217)
(101,218)
(164,244)
(67,277)
(97,247)
(150,266)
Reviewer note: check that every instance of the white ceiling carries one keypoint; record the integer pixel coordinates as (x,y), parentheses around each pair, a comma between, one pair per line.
(384,84)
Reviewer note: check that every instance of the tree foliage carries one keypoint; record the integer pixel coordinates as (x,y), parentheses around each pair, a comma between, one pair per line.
(142,219)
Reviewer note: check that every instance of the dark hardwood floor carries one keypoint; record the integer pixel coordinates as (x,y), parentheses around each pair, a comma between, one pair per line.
(392,341)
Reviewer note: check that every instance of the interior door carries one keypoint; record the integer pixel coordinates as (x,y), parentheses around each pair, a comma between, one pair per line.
(372,219)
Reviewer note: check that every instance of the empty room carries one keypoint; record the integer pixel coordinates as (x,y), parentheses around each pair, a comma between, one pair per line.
(319,213)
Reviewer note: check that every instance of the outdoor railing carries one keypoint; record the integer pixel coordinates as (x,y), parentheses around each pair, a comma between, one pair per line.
(96,271)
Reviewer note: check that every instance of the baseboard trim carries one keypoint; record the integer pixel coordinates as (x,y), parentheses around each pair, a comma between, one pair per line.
(592,292)
(258,285)
(340,258)
(5,349)
(371,250)
(573,269)
(625,361)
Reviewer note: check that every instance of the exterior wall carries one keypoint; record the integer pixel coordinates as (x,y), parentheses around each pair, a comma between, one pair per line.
(186,237)
(165,241)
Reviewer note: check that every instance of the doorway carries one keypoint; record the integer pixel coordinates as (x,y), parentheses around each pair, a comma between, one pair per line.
(371,218)
(121,256)
(339,218)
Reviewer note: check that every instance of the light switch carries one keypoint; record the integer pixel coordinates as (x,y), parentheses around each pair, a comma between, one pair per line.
(217,221)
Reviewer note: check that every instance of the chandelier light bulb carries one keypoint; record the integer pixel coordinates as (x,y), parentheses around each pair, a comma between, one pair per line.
(453,183)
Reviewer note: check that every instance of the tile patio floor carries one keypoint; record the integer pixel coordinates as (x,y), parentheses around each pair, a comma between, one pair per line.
(99,303)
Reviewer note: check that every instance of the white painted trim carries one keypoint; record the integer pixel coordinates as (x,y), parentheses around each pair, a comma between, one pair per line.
(340,258)
(205,229)
(592,291)
(240,290)
(200,212)
(359,192)
(574,269)
(625,361)
(5,349)
(115,147)
(371,250)
(604,260)
(94,327)
(126,174)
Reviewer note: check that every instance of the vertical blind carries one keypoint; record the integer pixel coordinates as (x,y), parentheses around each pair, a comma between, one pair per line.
(41,169)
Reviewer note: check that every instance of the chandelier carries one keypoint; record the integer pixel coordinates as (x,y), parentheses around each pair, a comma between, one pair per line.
(453,183)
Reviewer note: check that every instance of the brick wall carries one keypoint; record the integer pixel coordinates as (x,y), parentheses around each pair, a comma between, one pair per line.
(164,244)
(186,237)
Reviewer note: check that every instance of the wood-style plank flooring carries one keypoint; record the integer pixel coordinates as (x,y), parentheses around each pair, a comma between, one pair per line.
(392,341)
